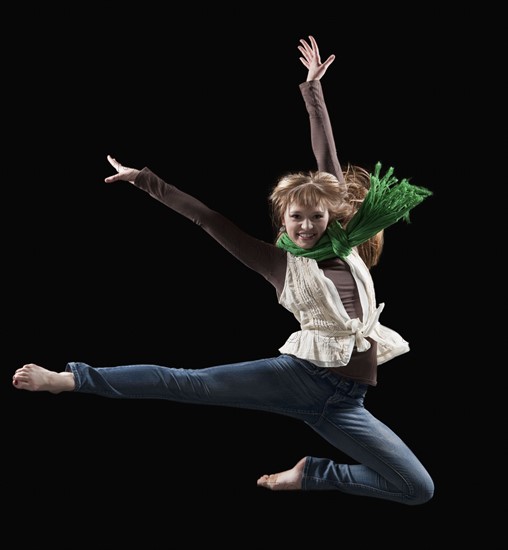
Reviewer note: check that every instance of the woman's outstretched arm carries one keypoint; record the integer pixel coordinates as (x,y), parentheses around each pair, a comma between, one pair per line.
(323,143)
(260,256)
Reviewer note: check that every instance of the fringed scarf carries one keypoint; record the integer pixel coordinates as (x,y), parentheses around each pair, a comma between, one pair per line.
(386,202)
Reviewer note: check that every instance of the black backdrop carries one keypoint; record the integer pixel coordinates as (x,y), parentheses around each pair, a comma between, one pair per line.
(106,275)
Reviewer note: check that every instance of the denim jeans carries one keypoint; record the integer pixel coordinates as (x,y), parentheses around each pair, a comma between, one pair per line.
(333,406)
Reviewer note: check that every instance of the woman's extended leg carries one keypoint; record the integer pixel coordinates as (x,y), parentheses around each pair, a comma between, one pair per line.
(277,384)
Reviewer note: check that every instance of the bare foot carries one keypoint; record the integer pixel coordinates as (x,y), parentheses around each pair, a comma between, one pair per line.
(290,480)
(32,377)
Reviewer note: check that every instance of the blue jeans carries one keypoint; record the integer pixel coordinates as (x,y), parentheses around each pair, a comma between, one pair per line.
(333,406)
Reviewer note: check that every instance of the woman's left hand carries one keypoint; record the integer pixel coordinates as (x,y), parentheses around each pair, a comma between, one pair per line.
(312,60)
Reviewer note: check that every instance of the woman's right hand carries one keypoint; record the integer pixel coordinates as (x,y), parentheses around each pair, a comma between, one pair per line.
(124,173)
(312,60)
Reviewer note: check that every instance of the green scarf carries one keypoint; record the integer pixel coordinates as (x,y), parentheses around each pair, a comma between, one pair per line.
(386,202)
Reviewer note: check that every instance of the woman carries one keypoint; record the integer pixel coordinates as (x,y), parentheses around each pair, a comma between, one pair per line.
(330,234)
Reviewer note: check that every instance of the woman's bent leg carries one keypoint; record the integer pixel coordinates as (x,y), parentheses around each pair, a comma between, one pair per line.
(386,467)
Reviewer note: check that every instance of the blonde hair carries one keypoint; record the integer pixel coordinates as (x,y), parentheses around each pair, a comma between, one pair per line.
(342,200)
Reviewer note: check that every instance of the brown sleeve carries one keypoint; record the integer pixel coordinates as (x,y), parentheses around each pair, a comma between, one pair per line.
(323,143)
(262,257)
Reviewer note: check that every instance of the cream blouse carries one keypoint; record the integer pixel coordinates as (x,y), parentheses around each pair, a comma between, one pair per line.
(328,335)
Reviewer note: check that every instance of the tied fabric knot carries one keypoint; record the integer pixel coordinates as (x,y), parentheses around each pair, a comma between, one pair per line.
(361,330)
(357,329)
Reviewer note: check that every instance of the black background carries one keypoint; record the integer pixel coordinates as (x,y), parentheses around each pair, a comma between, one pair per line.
(104,274)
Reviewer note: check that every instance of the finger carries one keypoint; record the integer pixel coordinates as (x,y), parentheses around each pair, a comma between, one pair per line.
(116,165)
(305,46)
(112,161)
(329,61)
(315,48)
(306,54)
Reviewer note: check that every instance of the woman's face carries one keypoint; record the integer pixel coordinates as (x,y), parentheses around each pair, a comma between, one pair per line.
(304,225)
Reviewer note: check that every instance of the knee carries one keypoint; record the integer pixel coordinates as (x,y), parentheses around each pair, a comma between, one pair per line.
(421,492)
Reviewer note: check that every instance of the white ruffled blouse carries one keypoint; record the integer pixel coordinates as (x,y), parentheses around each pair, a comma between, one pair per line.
(328,335)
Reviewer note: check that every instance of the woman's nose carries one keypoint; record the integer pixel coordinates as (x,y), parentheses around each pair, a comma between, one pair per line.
(306,224)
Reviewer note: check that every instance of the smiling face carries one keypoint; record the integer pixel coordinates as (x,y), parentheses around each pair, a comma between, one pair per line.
(305,225)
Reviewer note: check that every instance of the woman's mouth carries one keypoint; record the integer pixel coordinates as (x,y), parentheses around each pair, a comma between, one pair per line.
(306,237)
